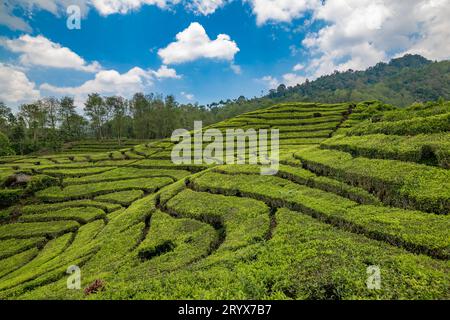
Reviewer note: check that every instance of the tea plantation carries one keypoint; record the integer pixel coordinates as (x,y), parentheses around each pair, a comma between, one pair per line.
(359,186)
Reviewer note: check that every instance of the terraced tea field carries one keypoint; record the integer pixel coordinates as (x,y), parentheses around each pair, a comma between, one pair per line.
(359,186)
(92,146)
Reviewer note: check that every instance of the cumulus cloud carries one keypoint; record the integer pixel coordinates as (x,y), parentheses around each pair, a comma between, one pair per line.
(270,82)
(360,33)
(107,7)
(166,72)
(193,43)
(280,10)
(205,7)
(40,51)
(292,79)
(107,82)
(15,87)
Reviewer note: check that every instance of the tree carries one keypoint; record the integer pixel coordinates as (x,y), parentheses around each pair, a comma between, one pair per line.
(118,107)
(35,117)
(5,114)
(95,109)
(51,108)
(140,109)
(281,90)
(66,114)
(18,135)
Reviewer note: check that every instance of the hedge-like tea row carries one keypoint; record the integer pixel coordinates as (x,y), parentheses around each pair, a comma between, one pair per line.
(37,229)
(282,122)
(413,230)
(414,126)
(431,149)
(73,192)
(124,198)
(415,111)
(307,259)
(166,164)
(244,220)
(74,173)
(127,173)
(46,207)
(172,243)
(402,184)
(305,177)
(298,109)
(52,262)
(81,215)
(291,115)
(11,247)
(12,263)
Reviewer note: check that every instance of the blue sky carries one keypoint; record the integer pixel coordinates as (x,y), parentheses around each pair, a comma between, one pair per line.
(224,48)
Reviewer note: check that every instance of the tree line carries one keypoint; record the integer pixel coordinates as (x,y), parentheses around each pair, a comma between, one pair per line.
(45,125)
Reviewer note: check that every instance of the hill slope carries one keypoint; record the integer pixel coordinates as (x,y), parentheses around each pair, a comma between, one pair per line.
(374,195)
(400,82)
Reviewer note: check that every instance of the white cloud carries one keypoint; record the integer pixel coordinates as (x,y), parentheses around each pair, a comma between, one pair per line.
(40,51)
(280,10)
(58,8)
(193,43)
(292,79)
(165,72)
(360,33)
(11,21)
(107,82)
(187,96)
(271,82)
(205,7)
(434,26)
(107,7)
(298,67)
(15,87)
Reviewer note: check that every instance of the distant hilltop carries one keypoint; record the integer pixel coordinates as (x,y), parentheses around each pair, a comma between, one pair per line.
(402,81)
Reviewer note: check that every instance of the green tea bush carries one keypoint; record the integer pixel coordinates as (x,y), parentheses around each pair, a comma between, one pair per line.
(12,247)
(124,198)
(128,173)
(46,207)
(244,220)
(175,242)
(74,192)
(415,231)
(414,126)
(431,149)
(81,215)
(402,184)
(37,229)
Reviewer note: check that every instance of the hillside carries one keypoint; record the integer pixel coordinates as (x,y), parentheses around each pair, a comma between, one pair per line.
(400,82)
(359,186)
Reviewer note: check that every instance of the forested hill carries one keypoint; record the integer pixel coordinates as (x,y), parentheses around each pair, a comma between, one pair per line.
(400,82)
